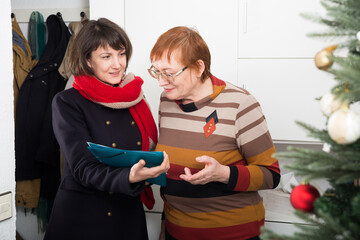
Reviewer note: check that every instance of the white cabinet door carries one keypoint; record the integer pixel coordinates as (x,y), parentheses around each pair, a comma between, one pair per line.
(215,20)
(153,221)
(110,9)
(281,228)
(286,90)
(274,29)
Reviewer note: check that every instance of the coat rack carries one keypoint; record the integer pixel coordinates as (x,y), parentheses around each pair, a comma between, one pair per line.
(68,14)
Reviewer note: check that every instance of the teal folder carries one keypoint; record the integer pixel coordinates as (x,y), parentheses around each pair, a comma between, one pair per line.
(127,158)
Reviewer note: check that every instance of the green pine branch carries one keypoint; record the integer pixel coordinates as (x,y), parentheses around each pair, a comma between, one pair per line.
(340,165)
(337,211)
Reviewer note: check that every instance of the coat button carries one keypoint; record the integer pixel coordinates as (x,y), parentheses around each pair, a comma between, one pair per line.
(107,122)
(138,143)
(132,122)
(109,214)
(113,145)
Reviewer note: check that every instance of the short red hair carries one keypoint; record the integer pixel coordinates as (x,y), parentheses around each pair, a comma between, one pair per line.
(190,45)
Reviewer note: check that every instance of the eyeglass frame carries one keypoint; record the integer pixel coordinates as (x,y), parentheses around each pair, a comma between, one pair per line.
(164,75)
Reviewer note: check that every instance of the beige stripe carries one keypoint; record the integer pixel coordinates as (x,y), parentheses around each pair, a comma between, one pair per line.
(182,116)
(229,97)
(196,140)
(252,125)
(253,133)
(232,97)
(268,181)
(195,118)
(225,130)
(204,112)
(248,109)
(213,204)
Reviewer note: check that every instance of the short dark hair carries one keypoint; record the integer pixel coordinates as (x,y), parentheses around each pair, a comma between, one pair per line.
(190,45)
(93,34)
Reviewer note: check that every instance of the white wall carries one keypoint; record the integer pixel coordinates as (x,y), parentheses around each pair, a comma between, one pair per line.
(7,160)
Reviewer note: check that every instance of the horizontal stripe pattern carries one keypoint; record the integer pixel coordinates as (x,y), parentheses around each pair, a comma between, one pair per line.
(227,218)
(186,189)
(213,204)
(186,157)
(241,140)
(242,231)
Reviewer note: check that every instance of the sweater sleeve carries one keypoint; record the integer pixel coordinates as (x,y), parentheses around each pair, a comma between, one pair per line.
(256,147)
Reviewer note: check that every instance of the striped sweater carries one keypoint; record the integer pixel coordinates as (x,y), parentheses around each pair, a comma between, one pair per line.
(241,140)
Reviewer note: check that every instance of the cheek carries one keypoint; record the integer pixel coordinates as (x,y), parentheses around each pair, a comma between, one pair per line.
(123,61)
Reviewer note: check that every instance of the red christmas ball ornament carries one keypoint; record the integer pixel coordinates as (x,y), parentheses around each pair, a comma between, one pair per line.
(303,196)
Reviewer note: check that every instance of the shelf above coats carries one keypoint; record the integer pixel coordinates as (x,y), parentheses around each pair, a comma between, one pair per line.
(68,14)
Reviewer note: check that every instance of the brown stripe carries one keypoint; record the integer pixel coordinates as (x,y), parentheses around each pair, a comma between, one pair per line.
(235,89)
(196,140)
(257,145)
(268,181)
(224,105)
(248,109)
(214,204)
(250,126)
(226,121)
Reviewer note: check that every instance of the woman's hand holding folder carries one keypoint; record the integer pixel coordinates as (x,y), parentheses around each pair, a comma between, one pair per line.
(139,172)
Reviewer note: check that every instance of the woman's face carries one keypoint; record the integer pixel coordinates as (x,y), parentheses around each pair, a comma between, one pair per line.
(108,64)
(184,86)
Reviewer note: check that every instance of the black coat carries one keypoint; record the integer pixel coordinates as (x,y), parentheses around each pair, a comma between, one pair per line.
(36,149)
(94,201)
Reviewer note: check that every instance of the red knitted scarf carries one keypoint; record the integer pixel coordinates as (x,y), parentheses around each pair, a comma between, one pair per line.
(127,95)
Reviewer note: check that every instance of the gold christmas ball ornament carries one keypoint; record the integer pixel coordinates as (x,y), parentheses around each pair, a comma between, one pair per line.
(328,104)
(322,60)
(344,126)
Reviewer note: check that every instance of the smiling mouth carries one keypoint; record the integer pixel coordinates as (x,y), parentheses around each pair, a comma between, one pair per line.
(168,89)
(115,74)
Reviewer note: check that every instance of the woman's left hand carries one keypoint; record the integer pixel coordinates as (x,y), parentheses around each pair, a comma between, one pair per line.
(212,172)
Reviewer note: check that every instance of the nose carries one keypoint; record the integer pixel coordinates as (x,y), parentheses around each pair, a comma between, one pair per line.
(162,81)
(116,63)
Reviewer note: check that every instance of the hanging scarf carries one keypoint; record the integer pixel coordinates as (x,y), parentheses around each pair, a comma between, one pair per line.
(127,94)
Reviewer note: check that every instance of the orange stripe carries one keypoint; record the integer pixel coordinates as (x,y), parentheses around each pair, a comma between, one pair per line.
(186,157)
(256,178)
(264,159)
(216,219)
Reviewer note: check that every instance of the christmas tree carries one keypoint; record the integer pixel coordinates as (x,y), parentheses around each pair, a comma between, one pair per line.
(336,213)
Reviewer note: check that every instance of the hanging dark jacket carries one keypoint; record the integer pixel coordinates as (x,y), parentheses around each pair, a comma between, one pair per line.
(36,149)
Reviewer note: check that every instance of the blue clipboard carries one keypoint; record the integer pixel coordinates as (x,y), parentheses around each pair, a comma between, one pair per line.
(127,158)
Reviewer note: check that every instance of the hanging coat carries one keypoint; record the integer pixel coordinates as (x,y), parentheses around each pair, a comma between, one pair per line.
(27,191)
(22,61)
(36,149)
(37,34)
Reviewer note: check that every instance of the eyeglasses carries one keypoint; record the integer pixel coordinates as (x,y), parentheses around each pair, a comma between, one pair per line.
(165,76)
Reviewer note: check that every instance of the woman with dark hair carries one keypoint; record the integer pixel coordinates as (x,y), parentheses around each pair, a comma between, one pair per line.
(219,146)
(105,106)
